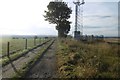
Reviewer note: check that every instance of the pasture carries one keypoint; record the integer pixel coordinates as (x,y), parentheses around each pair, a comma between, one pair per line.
(113,40)
(18,44)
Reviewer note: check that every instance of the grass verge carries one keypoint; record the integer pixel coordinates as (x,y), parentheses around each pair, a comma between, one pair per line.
(87,60)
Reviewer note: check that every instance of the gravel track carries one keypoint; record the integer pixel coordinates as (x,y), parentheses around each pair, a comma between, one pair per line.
(46,66)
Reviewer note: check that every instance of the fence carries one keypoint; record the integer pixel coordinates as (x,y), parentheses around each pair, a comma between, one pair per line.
(19,44)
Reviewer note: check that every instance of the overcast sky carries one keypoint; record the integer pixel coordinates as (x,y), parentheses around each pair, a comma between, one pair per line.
(25,17)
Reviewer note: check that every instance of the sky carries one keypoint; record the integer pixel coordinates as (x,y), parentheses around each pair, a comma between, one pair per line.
(25,17)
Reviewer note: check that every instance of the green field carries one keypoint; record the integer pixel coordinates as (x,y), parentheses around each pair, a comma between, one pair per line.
(17,44)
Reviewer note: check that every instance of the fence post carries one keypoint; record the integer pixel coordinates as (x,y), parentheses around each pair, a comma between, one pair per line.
(25,43)
(39,41)
(8,47)
(34,42)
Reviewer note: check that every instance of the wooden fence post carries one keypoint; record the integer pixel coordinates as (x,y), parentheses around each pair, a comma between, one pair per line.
(34,42)
(8,49)
(26,44)
(39,41)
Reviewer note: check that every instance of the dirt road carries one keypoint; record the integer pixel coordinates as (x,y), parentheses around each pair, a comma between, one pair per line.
(46,66)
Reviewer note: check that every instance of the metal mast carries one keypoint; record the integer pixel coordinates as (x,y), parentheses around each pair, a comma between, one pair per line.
(78,19)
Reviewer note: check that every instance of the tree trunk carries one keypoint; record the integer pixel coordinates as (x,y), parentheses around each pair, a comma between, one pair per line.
(61,34)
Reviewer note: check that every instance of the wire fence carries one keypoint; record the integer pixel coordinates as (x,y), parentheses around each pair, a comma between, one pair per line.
(18,44)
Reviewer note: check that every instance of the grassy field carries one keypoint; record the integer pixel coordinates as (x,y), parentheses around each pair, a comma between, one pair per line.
(17,44)
(114,40)
(88,60)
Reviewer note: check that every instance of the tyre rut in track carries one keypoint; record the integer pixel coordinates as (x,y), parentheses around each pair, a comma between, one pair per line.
(46,66)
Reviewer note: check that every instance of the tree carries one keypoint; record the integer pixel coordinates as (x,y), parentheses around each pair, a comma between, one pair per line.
(58,13)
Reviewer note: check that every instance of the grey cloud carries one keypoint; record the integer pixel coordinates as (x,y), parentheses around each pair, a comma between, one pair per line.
(96,27)
(92,27)
(97,16)
(105,16)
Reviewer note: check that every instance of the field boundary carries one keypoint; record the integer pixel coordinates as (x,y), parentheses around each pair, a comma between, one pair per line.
(24,53)
(12,52)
